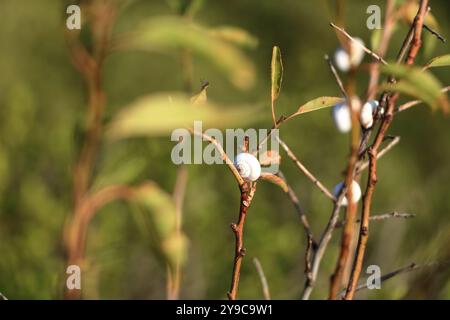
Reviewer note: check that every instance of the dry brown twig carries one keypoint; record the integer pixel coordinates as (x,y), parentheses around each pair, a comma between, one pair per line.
(368,51)
(296,203)
(381,217)
(305,171)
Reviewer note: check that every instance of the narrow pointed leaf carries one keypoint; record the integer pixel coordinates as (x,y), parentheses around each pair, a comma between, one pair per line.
(317,104)
(276,72)
(275,180)
(441,61)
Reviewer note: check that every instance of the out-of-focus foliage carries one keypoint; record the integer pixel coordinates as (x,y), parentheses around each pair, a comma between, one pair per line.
(162,113)
(42,119)
(417,83)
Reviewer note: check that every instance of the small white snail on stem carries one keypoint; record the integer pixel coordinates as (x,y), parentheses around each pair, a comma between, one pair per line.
(356,192)
(343,60)
(248,166)
(366,116)
(342,115)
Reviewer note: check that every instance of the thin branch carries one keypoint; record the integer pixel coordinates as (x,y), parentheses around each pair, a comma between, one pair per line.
(434,33)
(368,51)
(380,154)
(383,216)
(2,297)
(305,171)
(262,278)
(373,150)
(247,193)
(408,268)
(296,203)
(222,153)
(323,244)
(308,256)
(238,230)
(336,76)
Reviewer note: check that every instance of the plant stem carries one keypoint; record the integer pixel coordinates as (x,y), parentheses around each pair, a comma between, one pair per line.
(373,150)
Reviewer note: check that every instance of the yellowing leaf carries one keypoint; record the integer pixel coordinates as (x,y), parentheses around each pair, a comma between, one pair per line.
(160,114)
(317,104)
(276,72)
(173,33)
(275,180)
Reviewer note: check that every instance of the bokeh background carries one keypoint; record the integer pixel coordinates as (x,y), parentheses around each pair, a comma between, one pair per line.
(42,111)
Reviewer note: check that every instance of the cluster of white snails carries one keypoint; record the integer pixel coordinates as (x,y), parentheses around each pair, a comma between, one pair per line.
(342,114)
(344,61)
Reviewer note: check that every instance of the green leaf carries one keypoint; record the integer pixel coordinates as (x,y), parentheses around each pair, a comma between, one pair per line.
(234,35)
(415,82)
(276,72)
(171,33)
(317,104)
(441,61)
(160,114)
(375,39)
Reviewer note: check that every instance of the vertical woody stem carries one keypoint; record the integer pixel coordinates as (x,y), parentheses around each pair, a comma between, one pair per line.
(373,152)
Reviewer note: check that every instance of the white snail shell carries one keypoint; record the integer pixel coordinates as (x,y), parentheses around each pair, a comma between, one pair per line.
(343,60)
(356,192)
(342,115)
(248,166)
(366,116)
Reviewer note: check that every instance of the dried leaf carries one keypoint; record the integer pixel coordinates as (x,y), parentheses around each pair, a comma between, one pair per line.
(275,180)
(269,157)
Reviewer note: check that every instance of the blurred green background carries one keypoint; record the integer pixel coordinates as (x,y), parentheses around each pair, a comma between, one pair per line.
(42,112)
